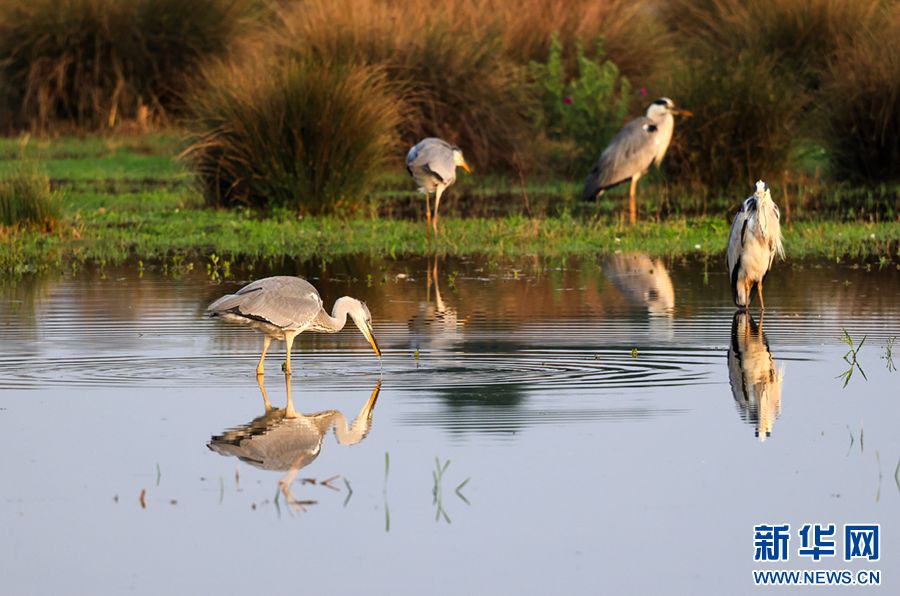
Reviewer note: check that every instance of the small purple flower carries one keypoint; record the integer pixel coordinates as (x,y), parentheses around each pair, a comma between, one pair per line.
(643,92)
(567,100)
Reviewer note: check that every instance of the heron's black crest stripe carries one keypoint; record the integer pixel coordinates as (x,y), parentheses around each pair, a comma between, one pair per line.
(751,204)
(743,231)
(661,102)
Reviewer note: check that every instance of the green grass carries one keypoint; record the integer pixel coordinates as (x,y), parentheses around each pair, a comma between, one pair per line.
(128,198)
(112,236)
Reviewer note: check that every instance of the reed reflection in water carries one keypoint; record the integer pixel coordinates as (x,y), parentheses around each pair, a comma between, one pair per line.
(755,378)
(283,439)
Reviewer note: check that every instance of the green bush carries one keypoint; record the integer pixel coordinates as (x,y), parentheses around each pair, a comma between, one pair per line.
(92,63)
(587,110)
(304,135)
(861,107)
(27,200)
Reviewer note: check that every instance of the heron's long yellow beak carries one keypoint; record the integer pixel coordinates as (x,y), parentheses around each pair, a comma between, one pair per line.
(685,113)
(465,166)
(368,333)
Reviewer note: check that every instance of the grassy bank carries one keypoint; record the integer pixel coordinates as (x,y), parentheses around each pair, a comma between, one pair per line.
(129,198)
(181,236)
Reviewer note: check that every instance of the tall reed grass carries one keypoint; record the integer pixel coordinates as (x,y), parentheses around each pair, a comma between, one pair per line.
(26,199)
(299,133)
(93,63)
(861,107)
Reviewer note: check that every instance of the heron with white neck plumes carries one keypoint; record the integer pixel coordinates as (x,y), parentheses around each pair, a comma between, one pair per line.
(283,307)
(753,242)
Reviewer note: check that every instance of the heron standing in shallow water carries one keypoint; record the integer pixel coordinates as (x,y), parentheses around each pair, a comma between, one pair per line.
(432,163)
(754,241)
(639,144)
(282,307)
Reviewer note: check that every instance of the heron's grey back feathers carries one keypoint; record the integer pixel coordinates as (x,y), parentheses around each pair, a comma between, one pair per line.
(631,152)
(431,162)
(284,301)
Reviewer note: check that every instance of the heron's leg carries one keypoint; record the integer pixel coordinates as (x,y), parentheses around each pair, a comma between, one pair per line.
(289,411)
(427,208)
(632,203)
(260,370)
(288,342)
(262,389)
(762,305)
(437,204)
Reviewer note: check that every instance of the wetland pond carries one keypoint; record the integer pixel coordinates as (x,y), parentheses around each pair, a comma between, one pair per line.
(539,426)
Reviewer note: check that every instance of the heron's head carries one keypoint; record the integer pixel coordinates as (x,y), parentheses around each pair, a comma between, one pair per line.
(459,160)
(762,191)
(361,316)
(663,106)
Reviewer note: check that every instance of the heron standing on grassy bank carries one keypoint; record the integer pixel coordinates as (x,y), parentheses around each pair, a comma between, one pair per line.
(283,307)
(632,151)
(432,163)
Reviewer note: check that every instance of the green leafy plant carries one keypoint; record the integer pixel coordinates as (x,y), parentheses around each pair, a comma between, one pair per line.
(586,110)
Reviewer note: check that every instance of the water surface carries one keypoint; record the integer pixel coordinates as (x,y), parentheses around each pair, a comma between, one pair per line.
(617,428)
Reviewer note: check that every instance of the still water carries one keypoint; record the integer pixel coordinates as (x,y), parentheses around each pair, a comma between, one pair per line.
(537,426)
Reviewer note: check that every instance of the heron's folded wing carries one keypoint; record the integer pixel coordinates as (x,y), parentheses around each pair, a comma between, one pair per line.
(736,237)
(284,301)
(435,157)
(630,152)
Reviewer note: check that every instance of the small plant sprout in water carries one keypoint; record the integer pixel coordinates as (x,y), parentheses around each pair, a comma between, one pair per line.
(437,492)
(851,358)
(634,352)
(889,353)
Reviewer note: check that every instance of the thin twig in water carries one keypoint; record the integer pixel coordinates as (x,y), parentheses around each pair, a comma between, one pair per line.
(158,474)
(327,482)
(459,489)
(349,491)
(852,440)
(897,475)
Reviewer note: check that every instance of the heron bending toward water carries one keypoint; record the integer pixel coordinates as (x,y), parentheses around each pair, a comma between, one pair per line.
(432,163)
(754,241)
(282,307)
(639,144)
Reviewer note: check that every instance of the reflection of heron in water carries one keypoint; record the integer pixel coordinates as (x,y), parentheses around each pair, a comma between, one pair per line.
(436,321)
(642,281)
(755,381)
(283,440)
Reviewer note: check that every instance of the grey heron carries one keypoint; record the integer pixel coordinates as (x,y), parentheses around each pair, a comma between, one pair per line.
(284,440)
(755,379)
(639,144)
(753,242)
(432,163)
(282,307)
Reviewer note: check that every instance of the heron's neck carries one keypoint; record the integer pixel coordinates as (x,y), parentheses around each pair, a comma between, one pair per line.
(338,318)
(665,124)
